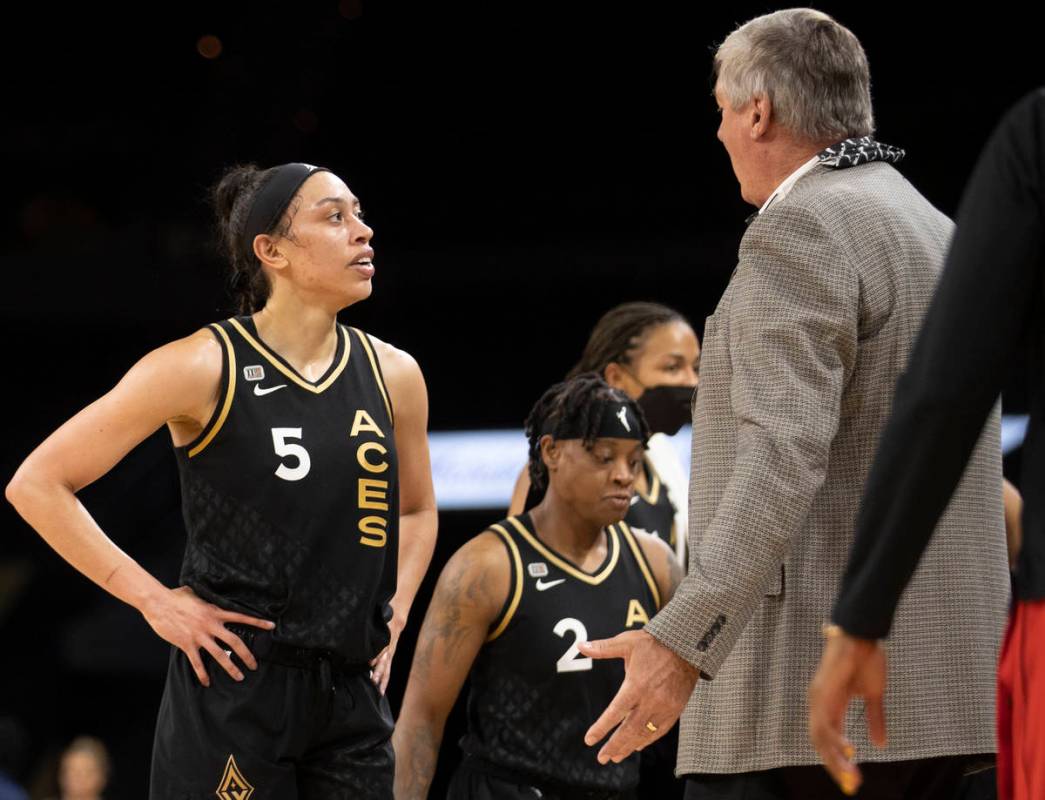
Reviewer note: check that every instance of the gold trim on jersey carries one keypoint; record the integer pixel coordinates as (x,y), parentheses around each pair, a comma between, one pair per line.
(517,594)
(654,488)
(377,373)
(230,391)
(640,556)
(287,371)
(566,566)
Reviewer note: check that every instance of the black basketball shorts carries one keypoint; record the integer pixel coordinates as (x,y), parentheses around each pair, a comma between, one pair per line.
(297,728)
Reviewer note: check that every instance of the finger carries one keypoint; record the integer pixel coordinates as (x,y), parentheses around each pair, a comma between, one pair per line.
(876,720)
(836,756)
(197,665)
(606,648)
(386,673)
(632,735)
(237,646)
(375,672)
(844,773)
(377,667)
(614,714)
(374,661)
(835,751)
(233,616)
(223,659)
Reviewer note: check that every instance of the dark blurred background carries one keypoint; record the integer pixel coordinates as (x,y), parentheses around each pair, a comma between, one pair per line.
(524,168)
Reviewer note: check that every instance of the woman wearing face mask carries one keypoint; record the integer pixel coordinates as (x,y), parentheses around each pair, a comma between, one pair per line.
(649,352)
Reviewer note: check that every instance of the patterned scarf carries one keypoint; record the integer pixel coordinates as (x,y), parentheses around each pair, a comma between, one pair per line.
(859,151)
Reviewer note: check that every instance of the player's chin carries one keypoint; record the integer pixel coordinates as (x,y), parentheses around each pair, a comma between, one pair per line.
(360,289)
(612,510)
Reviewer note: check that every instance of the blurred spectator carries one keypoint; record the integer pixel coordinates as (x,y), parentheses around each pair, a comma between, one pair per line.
(83,772)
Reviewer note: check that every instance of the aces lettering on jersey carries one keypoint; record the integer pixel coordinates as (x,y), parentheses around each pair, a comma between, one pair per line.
(372,492)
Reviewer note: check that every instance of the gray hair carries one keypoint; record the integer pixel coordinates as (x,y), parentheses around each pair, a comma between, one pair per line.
(812,69)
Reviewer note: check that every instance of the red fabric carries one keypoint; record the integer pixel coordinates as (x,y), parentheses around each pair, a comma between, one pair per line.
(1021,704)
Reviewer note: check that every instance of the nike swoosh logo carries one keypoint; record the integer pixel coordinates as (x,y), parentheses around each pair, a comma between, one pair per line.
(542,585)
(261,392)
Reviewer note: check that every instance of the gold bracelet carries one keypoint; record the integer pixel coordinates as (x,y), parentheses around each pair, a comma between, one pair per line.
(832,631)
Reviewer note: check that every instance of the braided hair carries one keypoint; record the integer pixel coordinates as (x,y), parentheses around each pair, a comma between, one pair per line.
(619,333)
(577,403)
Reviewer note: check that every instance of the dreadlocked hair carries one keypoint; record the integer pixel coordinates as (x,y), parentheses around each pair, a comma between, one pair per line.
(577,403)
(619,333)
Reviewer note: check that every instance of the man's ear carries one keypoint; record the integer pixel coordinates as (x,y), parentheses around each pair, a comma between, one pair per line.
(761,115)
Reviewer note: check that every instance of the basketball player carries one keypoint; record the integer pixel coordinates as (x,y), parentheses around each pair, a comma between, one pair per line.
(512,605)
(302,452)
(651,353)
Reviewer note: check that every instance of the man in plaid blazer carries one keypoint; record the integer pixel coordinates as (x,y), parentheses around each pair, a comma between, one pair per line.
(798,368)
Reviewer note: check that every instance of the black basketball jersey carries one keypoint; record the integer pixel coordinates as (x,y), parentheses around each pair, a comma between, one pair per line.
(290,495)
(532,695)
(650,511)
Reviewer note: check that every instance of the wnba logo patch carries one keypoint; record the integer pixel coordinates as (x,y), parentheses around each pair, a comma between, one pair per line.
(538,569)
(233,785)
(254,373)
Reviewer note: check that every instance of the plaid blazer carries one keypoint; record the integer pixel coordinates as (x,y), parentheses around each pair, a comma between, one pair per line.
(796,380)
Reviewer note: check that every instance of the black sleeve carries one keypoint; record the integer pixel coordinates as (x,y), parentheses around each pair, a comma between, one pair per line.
(962,356)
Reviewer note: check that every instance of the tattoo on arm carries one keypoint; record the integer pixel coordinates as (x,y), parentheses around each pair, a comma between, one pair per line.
(443,628)
(450,627)
(415,770)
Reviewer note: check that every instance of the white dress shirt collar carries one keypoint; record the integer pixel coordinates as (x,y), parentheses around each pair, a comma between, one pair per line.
(790,181)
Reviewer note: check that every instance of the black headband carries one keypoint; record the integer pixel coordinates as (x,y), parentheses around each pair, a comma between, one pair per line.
(618,422)
(272,199)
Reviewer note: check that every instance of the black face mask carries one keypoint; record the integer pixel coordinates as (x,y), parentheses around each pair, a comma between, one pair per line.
(667,408)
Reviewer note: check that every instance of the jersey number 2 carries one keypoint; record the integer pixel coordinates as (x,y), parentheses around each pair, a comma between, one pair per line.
(285,448)
(571,660)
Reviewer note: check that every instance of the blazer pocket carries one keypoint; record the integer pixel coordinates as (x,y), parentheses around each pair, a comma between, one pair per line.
(710,335)
(775,587)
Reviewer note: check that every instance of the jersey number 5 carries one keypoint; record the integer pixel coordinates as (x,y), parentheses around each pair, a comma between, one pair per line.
(296,451)
(571,660)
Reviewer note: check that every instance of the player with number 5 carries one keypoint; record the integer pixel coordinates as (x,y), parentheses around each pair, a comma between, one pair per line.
(514,603)
(308,504)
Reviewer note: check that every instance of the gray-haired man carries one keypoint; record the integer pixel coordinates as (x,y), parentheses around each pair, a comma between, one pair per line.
(800,359)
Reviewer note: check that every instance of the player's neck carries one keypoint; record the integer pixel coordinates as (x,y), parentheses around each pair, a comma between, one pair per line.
(306,336)
(560,527)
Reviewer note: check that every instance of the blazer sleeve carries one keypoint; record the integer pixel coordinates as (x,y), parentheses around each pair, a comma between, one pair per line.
(792,329)
(962,356)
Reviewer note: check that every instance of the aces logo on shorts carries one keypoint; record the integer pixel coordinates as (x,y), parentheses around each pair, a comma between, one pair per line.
(233,785)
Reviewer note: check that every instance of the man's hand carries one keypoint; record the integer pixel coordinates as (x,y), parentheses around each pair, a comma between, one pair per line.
(657,685)
(189,623)
(850,667)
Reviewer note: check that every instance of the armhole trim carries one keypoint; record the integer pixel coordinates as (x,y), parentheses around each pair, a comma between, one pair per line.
(377,373)
(230,390)
(640,557)
(515,596)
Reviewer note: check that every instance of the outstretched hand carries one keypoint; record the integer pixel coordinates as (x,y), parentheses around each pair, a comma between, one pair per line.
(657,685)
